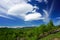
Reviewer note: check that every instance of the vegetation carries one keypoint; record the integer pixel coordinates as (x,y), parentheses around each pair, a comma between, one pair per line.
(42,32)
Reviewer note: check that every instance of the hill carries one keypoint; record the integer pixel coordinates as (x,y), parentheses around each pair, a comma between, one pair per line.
(43,32)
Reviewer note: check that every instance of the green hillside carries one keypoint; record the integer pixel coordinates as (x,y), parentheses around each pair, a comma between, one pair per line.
(43,32)
(52,36)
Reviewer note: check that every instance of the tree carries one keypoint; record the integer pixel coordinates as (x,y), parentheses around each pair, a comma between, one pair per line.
(42,28)
(50,25)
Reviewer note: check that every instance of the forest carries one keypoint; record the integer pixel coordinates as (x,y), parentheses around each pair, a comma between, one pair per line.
(42,32)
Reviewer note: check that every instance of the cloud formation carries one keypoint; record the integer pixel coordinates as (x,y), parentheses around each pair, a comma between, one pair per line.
(33,16)
(20,8)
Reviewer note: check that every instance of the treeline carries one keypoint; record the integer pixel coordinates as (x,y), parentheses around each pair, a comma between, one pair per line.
(33,33)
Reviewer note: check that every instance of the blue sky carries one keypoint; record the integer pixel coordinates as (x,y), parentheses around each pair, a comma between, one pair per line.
(29,12)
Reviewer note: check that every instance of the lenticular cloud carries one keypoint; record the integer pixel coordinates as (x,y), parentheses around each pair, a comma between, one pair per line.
(19,8)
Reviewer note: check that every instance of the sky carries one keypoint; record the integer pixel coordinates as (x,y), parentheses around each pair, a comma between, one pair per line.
(29,12)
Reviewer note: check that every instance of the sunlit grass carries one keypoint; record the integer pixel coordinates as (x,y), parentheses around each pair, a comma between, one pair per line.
(49,37)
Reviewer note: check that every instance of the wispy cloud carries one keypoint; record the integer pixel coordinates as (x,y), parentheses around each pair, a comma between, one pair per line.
(39,0)
(7,17)
(57,17)
(51,8)
(42,1)
(46,16)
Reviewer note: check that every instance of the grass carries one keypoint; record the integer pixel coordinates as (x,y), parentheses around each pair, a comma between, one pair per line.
(49,37)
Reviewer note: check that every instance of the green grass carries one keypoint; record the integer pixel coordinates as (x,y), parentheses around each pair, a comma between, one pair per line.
(49,37)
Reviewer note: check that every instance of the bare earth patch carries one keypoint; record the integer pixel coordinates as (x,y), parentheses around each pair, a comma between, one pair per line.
(56,39)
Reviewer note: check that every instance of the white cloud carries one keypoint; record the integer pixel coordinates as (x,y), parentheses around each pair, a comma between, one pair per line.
(2,10)
(19,8)
(34,16)
(9,3)
(7,6)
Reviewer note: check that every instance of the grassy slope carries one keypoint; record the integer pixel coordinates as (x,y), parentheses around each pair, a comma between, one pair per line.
(57,35)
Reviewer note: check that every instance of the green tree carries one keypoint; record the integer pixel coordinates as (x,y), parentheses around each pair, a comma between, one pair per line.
(50,26)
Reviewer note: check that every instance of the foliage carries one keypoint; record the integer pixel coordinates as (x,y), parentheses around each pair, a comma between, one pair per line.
(33,33)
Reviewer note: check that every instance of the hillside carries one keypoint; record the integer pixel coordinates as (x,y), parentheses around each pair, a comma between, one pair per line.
(43,32)
(55,36)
